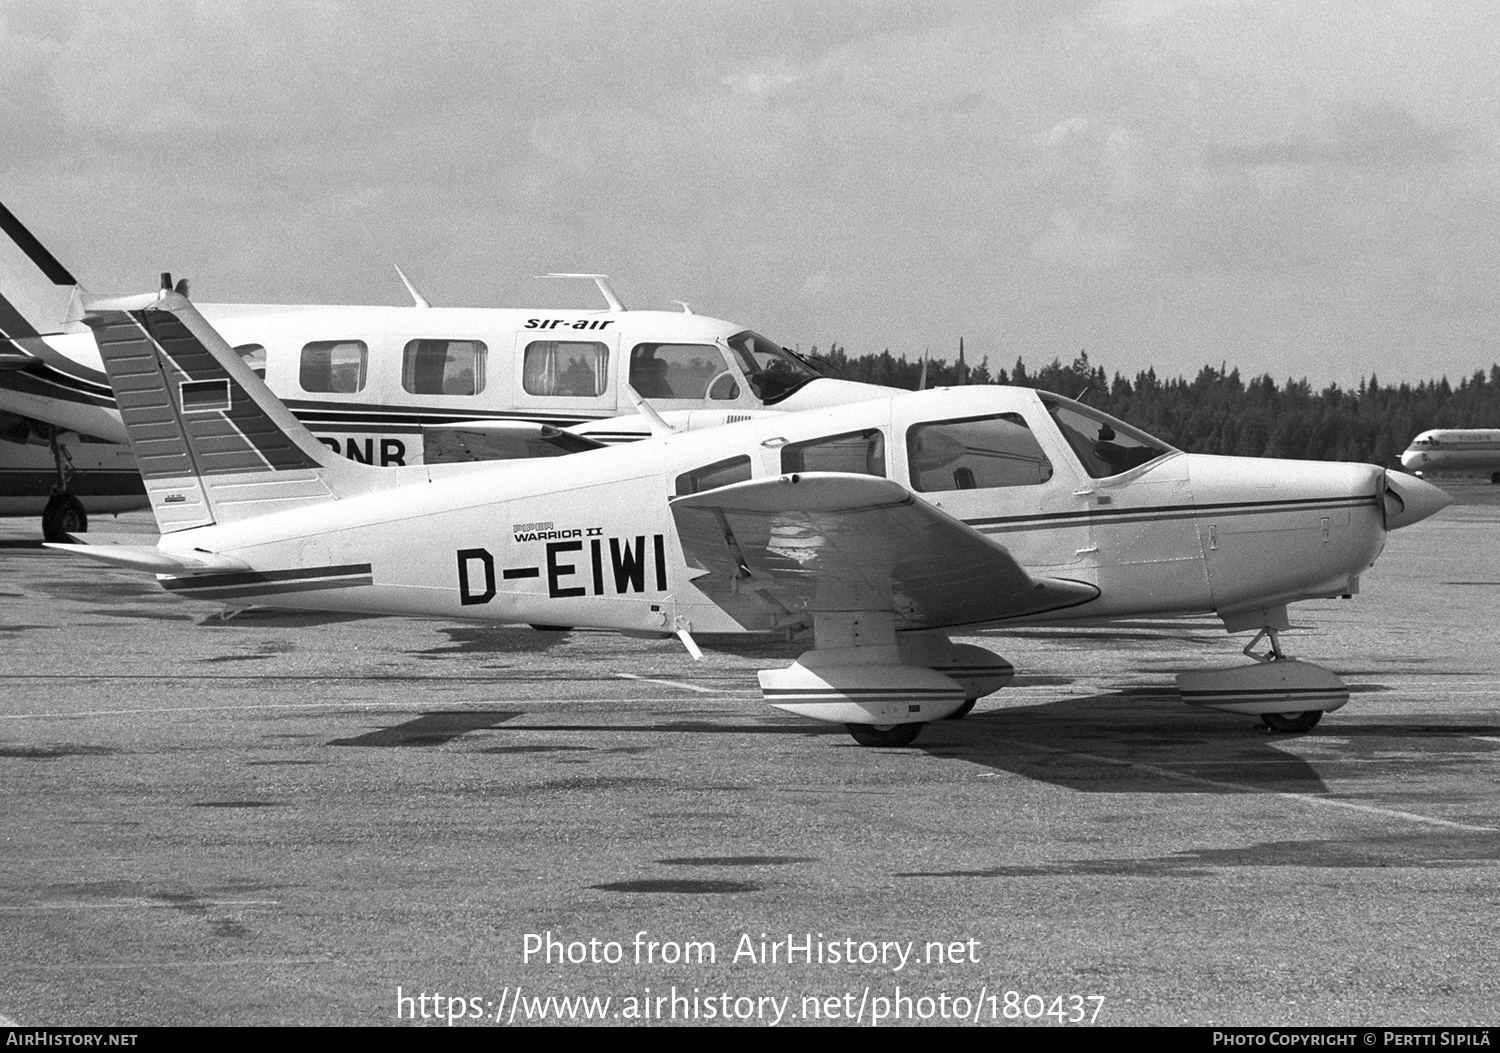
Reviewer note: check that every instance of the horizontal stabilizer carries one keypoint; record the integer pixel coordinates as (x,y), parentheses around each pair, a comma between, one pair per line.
(499,440)
(126,550)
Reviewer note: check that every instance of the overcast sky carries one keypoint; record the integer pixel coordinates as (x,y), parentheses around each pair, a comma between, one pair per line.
(1300,188)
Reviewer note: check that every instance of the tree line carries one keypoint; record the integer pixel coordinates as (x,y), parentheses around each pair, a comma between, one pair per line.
(1220,412)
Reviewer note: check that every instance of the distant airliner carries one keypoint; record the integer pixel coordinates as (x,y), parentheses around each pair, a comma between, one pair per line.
(1454,449)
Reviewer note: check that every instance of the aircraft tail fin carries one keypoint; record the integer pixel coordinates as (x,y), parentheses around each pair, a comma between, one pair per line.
(34,286)
(212,442)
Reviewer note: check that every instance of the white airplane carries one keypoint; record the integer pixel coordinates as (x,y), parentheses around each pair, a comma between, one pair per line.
(875,528)
(1454,449)
(391,385)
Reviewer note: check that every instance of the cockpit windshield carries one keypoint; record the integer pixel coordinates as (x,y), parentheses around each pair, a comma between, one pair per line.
(774,372)
(1105,445)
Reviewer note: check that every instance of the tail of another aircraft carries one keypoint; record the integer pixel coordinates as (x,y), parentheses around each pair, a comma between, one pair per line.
(35,290)
(211,441)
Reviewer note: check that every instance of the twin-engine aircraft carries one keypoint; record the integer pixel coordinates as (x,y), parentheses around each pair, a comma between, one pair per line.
(873,529)
(388,385)
(1454,450)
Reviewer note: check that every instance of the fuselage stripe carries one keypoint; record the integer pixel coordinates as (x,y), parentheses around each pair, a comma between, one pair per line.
(305,577)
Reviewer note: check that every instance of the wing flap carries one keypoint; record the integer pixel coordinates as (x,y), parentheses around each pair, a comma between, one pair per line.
(776,551)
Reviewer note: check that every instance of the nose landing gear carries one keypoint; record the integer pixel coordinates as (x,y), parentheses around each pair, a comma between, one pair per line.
(1287,694)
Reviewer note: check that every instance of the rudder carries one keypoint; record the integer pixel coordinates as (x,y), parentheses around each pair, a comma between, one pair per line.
(212,442)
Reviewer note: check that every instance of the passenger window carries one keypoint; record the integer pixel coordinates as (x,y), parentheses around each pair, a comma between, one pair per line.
(254,356)
(443,367)
(681,371)
(334,366)
(562,368)
(713,476)
(975,453)
(859,452)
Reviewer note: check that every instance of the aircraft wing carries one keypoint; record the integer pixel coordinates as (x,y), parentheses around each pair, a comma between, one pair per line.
(499,440)
(776,551)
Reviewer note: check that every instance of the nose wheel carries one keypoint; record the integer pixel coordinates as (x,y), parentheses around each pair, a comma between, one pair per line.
(1282,723)
(1288,695)
(1292,722)
(890,736)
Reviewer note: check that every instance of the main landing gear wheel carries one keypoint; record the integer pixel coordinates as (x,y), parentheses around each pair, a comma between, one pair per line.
(63,515)
(891,736)
(1290,722)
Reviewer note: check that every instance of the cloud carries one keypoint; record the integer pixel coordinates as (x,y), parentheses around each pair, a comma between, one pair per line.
(1356,135)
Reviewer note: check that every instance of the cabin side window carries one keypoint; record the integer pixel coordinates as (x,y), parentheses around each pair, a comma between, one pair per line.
(681,371)
(254,356)
(713,476)
(334,366)
(859,452)
(443,367)
(975,453)
(565,368)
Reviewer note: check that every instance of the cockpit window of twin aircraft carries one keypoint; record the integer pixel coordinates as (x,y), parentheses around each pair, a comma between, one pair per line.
(773,371)
(681,371)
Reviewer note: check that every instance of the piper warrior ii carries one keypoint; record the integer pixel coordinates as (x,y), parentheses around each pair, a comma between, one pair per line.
(871,529)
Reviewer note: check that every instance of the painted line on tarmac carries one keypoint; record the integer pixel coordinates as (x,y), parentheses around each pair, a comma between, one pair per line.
(1261,791)
(210,964)
(354,706)
(142,904)
(671,683)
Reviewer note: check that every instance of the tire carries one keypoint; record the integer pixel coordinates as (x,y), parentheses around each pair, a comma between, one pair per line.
(1292,722)
(963,710)
(63,515)
(888,736)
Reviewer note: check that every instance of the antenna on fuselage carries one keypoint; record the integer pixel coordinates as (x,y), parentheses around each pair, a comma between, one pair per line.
(659,427)
(418,300)
(601,280)
(686,309)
